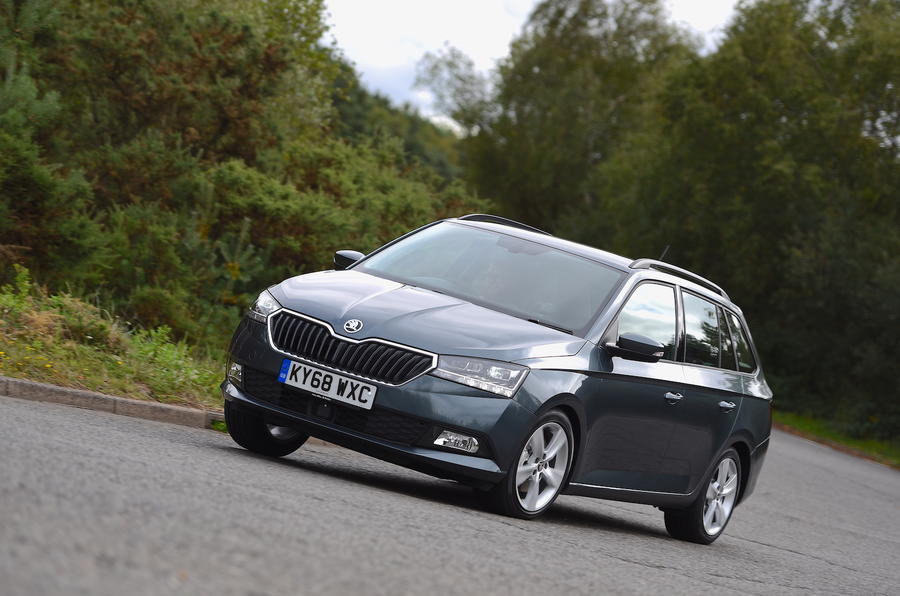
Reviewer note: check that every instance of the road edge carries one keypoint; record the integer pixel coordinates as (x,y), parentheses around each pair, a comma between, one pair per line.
(122,406)
(837,446)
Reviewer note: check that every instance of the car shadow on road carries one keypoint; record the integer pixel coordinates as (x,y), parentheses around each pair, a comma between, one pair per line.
(573,511)
(447,492)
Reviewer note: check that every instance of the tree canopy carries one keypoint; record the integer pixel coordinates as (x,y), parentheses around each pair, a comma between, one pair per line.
(176,157)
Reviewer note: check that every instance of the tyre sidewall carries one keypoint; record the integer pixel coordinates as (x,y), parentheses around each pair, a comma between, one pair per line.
(250,432)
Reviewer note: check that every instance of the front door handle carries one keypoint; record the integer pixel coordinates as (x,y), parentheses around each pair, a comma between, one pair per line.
(727,406)
(673,398)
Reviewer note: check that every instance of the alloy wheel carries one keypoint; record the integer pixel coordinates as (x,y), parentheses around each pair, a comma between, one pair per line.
(720,496)
(542,466)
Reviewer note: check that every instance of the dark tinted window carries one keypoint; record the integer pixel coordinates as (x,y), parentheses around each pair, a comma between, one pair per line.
(701,331)
(746,362)
(727,358)
(505,273)
(650,311)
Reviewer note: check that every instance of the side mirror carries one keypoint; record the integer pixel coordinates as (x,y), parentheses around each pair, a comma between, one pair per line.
(632,346)
(345,258)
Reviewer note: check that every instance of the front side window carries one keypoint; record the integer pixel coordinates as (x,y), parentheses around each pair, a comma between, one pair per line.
(506,273)
(701,331)
(746,362)
(650,311)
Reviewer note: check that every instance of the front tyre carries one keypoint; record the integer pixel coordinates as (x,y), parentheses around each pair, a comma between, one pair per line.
(541,470)
(707,517)
(252,433)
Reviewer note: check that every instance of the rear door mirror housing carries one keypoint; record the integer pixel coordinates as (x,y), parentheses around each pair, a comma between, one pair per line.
(345,258)
(633,346)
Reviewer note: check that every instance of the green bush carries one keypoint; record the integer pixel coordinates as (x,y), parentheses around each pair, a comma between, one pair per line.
(60,339)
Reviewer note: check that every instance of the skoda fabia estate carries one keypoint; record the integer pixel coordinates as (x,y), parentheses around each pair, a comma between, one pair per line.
(483,350)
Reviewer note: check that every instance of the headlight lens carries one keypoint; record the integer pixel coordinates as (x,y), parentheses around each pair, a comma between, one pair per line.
(502,378)
(264,306)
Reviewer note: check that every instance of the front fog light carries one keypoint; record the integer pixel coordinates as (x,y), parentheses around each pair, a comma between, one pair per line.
(448,438)
(235,373)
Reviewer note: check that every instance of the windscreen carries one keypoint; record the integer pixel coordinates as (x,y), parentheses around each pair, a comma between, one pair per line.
(505,273)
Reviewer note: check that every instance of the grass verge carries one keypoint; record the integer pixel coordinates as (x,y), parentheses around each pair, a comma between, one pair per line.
(65,341)
(886,452)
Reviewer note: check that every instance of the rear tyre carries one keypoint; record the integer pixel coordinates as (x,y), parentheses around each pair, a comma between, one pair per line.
(252,433)
(540,472)
(706,518)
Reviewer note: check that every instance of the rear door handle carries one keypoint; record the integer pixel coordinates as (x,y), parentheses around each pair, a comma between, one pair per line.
(673,398)
(727,406)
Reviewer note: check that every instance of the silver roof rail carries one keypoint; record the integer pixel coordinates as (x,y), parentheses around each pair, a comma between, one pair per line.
(679,272)
(496,219)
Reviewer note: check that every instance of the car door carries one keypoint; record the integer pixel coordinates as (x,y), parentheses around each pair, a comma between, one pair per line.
(630,422)
(705,415)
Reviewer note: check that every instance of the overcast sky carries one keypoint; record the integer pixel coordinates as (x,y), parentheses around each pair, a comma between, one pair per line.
(386,38)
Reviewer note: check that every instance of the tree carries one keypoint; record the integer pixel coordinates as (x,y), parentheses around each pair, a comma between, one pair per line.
(362,115)
(570,88)
(43,211)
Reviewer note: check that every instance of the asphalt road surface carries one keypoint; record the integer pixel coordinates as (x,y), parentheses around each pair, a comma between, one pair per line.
(92,503)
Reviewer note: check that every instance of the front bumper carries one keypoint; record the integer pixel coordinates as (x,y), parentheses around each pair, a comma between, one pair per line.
(402,425)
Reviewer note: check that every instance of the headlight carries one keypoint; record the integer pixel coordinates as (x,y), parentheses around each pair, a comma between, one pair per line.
(502,378)
(264,306)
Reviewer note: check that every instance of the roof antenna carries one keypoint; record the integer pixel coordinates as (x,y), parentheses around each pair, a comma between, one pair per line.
(664,252)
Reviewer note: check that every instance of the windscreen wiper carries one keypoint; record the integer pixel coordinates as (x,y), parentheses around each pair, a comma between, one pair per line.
(552,326)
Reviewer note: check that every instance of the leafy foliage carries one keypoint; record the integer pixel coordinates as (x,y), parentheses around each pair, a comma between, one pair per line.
(570,88)
(176,157)
(365,115)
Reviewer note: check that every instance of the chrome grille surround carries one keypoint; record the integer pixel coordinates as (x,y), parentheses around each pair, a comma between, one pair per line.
(350,341)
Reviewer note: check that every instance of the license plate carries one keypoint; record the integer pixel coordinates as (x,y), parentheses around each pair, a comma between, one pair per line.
(327,384)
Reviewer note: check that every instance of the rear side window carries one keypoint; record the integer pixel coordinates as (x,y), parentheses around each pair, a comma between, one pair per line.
(650,311)
(701,331)
(727,358)
(746,362)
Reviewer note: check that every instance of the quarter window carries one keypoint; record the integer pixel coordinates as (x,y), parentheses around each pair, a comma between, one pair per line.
(728,359)
(701,330)
(651,312)
(746,362)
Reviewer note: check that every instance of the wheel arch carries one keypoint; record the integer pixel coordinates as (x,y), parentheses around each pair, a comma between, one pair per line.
(573,409)
(743,451)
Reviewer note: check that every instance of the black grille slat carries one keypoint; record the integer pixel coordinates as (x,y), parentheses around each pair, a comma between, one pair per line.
(407,368)
(316,349)
(385,365)
(373,357)
(358,352)
(331,349)
(340,356)
(310,345)
(394,371)
(291,332)
(278,330)
(370,359)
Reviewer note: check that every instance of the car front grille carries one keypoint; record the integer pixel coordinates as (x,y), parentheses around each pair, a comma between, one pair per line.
(371,359)
(376,422)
